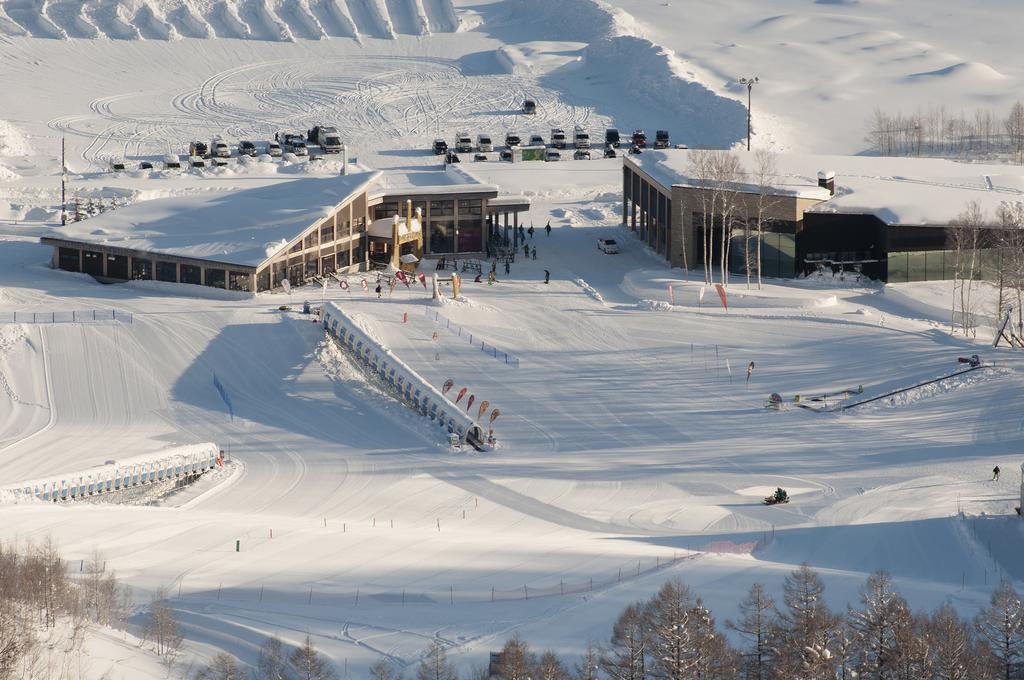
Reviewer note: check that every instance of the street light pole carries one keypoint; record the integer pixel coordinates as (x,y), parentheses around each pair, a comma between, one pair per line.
(749,82)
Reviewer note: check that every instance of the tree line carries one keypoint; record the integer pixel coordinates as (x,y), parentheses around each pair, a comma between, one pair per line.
(937,132)
(999,238)
(37,595)
(674,636)
(721,211)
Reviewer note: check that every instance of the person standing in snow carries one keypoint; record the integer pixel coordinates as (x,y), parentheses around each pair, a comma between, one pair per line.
(995,474)
(535,252)
(530,231)
(547,227)
(378,291)
(526,251)
(547,276)
(508,269)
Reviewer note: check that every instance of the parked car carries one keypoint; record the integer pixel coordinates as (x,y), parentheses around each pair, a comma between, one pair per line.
(246,148)
(612,138)
(440,147)
(274,150)
(558,138)
(580,138)
(529,107)
(145,165)
(608,246)
(172,162)
(297,147)
(117,166)
(552,155)
(512,139)
(480,157)
(196,162)
(581,155)
(219,148)
(463,143)
(661,140)
(198,149)
(536,140)
(505,155)
(610,152)
(639,139)
(484,144)
(327,138)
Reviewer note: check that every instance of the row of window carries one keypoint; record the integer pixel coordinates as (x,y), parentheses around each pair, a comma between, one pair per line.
(467,206)
(127,268)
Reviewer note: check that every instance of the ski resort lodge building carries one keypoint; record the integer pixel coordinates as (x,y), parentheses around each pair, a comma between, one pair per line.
(253,239)
(888,218)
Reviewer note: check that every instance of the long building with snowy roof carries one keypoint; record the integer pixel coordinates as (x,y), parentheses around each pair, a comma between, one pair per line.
(888,218)
(253,239)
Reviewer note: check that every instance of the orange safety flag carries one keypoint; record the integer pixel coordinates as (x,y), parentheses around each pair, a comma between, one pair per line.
(462,393)
(721,294)
(494,415)
(469,403)
(483,407)
(448,384)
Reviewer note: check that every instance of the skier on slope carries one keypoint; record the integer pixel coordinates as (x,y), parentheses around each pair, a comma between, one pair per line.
(547,227)
(995,474)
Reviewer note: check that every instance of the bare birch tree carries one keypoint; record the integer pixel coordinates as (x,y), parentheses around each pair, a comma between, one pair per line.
(766,177)
(965,240)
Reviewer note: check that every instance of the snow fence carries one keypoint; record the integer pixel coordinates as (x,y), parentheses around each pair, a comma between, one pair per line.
(399,379)
(176,463)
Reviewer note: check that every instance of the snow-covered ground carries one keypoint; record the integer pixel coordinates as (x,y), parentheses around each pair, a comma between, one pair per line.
(629,437)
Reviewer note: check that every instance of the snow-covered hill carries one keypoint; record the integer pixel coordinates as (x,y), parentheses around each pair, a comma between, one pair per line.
(276,20)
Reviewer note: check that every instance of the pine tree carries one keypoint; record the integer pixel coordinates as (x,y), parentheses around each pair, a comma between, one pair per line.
(272,663)
(874,627)
(589,666)
(1000,625)
(713,658)
(308,664)
(384,669)
(550,667)
(754,625)
(806,630)
(435,665)
(516,660)
(672,631)
(223,667)
(627,657)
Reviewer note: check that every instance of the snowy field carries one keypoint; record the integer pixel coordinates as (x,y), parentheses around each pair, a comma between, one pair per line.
(629,437)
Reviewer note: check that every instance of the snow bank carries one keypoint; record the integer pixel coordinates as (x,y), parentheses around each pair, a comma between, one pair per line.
(589,290)
(270,20)
(12,141)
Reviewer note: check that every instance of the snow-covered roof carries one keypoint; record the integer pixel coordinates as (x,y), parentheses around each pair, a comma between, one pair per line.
(383,228)
(234,227)
(910,191)
(428,180)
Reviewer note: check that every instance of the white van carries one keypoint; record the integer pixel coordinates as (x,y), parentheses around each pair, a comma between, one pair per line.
(483,143)
(581,139)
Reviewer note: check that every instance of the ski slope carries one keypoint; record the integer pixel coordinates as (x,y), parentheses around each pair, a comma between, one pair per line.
(623,441)
(629,438)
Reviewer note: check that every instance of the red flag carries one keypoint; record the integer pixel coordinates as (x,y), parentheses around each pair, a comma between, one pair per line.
(494,415)
(721,293)
(423,280)
(483,407)
(469,403)
(462,393)
(448,384)
(400,275)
